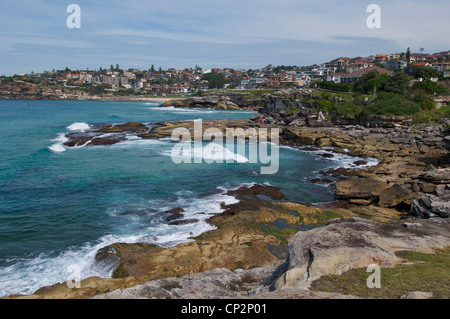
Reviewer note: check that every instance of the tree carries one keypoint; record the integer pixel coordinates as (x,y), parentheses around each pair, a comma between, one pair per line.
(426,73)
(215,81)
(408,57)
(370,82)
(117,67)
(152,69)
(397,83)
(376,83)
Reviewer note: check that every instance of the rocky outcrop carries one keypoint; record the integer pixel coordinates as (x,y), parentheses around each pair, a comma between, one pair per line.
(104,134)
(219,100)
(417,295)
(360,188)
(436,204)
(355,243)
(340,246)
(395,196)
(437,176)
(216,284)
(26,90)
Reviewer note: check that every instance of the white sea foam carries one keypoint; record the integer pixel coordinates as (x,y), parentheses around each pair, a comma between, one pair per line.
(211,153)
(58,147)
(25,276)
(79,127)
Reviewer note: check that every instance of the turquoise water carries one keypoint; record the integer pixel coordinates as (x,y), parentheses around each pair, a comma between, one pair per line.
(58,208)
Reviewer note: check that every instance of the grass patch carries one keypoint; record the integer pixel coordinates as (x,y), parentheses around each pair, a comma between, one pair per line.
(430,116)
(323,217)
(428,273)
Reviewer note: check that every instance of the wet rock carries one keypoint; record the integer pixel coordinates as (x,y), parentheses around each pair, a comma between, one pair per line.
(184,222)
(174,214)
(104,134)
(107,140)
(335,172)
(78,139)
(132,127)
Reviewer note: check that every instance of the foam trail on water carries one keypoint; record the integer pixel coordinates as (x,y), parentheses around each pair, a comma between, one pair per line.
(58,147)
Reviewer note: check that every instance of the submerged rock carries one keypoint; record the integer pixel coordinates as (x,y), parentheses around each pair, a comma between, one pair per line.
(174,214)
(184,222)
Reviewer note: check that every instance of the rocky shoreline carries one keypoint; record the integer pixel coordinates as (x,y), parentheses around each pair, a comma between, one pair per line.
(221,101)
(266,247)
(29,91)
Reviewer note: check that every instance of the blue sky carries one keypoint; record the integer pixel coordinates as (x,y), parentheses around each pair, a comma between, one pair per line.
(209,33)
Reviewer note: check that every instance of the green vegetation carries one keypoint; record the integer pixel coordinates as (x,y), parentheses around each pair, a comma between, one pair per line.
(328,85)
(215,81)
(294,110)
(426,73)
(429,116)
(389,103)
(428,273)
(381,94)
(370,82)
(429,87)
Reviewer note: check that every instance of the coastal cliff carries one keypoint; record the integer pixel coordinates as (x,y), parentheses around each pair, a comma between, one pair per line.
(31,91)
(220,100)
(257,235)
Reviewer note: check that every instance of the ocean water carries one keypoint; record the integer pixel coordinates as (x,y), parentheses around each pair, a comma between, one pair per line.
(59,205)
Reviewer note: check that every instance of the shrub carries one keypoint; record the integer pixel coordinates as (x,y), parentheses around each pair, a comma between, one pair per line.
(425,103)
(388,103)
(397,83)
(429,87)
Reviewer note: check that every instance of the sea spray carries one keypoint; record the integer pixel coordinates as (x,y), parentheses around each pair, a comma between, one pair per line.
(78,127)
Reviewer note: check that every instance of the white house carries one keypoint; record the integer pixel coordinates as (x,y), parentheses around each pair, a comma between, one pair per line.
(335,77)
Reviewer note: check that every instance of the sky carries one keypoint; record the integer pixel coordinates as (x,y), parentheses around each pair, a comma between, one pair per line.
(34,35)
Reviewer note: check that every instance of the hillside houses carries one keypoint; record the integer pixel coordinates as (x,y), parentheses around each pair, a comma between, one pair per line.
(193,80)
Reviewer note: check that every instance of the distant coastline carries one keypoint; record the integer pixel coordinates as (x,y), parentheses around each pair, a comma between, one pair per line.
(29,91)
